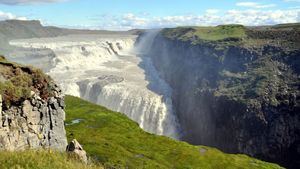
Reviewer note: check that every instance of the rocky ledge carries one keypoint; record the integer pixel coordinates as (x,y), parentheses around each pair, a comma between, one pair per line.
(30,120)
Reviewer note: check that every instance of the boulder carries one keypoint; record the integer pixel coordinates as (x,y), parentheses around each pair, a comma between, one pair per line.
(76,150)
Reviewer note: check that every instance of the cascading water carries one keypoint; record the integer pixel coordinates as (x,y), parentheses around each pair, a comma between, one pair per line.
(106,70)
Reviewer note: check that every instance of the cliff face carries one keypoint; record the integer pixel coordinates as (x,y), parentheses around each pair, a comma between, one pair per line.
(32,110)
(34,124)
(237,95)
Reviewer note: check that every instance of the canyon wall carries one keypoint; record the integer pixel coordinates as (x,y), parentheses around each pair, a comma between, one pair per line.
(236,98)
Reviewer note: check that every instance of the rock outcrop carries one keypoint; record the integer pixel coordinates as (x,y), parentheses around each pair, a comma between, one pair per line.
(35,124)
(76,150)
(31,109)
(234,96)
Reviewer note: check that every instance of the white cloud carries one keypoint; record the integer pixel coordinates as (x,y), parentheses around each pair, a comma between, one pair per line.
(255,5)
(252,17)
(24,2)
(6,16)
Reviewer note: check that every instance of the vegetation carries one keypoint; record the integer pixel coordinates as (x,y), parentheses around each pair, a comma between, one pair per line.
(118,142)
(222,36)
(260,79)
(295,26)
(43,159)
(17,82)
(199,34)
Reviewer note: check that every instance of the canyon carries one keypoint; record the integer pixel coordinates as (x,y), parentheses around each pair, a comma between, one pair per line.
(239,94)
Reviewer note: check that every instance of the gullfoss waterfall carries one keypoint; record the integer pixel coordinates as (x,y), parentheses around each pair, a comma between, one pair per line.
(109,70)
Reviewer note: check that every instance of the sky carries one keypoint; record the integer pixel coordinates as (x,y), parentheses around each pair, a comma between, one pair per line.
(131,14)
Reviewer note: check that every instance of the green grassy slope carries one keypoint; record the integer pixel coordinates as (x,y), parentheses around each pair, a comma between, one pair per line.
(206,33)
(117,142)
(40,160)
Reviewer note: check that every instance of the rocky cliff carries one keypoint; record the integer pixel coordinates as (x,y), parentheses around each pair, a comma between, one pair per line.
(31,109)
(235,88)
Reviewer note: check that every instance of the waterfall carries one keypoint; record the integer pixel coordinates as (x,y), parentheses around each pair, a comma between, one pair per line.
(106,70)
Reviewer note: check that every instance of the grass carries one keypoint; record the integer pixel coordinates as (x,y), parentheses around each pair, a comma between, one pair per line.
(117,142)
(198,34)
(295,26)
(222,36)
(17,82)
(42,159)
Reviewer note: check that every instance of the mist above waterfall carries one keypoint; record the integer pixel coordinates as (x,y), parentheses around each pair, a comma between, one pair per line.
(145,41)
(108,70)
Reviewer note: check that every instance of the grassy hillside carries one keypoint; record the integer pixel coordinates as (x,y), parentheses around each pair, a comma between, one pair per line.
(40,160)
(117,142)
(206,33)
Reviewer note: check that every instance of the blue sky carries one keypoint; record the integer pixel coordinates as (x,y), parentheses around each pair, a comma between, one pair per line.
(129,14)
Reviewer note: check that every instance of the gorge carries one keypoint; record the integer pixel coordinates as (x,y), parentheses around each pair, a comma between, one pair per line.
(237,92)
(237,89)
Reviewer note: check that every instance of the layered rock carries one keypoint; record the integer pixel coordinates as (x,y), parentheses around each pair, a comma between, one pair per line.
(34,124)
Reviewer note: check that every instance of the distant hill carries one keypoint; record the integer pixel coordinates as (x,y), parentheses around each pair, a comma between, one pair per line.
(18,29)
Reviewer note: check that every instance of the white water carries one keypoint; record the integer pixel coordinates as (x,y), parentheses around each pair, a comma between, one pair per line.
(106,70)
